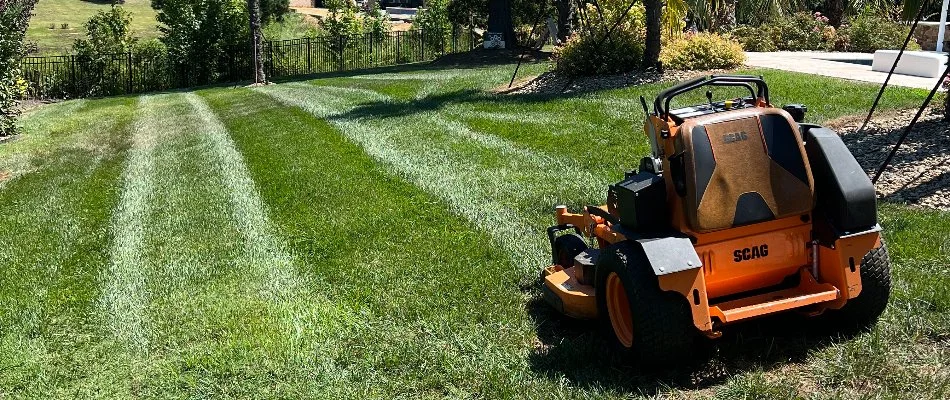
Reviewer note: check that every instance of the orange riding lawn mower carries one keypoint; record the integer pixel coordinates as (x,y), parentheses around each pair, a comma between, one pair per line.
(741,211)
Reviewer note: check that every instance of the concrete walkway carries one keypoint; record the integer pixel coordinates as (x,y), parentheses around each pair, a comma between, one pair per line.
(855,66)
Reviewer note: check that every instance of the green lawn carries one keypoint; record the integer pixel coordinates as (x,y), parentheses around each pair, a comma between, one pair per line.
(75,13)
(379,236)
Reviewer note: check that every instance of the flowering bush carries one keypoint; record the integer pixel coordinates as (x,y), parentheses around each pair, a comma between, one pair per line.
(702,51)
(811,31)
(802,31)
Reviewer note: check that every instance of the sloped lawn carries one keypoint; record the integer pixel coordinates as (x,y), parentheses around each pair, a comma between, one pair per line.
(379,236)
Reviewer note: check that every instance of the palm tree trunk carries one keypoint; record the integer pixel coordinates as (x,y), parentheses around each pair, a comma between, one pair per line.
(257,40)
(565,15)
(499,21)
(651,53)
(834,10)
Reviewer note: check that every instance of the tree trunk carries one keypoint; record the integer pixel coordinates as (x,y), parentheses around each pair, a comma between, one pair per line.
(499,21)
(257,40)
(651,53)
(565,16)
(834,10)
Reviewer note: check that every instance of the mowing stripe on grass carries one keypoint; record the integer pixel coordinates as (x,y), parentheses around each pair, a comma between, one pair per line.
(323,101)
(489,180)
(125,294)
(248,211)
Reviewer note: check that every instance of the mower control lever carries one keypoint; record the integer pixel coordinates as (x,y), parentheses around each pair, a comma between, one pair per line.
(614,221)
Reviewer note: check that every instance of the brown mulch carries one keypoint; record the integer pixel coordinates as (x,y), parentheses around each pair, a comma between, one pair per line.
(920,171)
(554,83)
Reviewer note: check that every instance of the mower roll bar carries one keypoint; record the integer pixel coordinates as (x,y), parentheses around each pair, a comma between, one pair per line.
(661,106)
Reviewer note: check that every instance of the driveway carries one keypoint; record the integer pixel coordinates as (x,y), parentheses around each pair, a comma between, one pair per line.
(854,66)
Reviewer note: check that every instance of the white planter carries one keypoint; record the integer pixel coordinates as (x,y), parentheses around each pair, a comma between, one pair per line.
(927,64)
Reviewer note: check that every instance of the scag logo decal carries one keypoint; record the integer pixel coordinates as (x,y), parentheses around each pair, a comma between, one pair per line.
(750,253)
(735,137)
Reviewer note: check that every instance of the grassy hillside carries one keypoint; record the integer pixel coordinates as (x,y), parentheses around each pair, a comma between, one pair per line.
(55,13)
(378,236)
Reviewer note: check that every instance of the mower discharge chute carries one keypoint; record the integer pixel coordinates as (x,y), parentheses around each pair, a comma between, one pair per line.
(740,212)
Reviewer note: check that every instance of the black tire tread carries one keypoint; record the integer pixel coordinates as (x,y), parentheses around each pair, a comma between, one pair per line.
(663,330)
(863,311)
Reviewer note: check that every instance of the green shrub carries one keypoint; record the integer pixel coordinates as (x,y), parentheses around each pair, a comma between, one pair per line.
(108,34)
(375,21)
(753,38)
(804,31)
(151,62)
(799,31)
(587,52)
(14,18)
(701,52)
(274,10)
(203,37)
(868,33)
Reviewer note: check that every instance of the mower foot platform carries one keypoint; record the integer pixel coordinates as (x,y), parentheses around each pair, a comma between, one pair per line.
(807,293)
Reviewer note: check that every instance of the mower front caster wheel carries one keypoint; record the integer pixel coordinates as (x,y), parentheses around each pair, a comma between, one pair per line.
(648,324)
(566,247)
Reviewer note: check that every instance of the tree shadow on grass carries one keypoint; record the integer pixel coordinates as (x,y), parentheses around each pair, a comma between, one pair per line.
(435,102)
(576,350)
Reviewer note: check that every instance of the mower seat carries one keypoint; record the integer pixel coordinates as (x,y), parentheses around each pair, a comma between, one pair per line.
(743,166)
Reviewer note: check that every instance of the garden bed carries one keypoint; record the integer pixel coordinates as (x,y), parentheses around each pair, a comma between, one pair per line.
(920,171)
(553,83)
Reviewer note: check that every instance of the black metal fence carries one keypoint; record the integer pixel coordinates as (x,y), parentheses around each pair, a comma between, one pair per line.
(128,73)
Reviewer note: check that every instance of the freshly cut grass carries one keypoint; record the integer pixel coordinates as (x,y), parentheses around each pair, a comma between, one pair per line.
(436,310)
(487,179)
(125,296)
(55,219)
(248,211)
(378,236)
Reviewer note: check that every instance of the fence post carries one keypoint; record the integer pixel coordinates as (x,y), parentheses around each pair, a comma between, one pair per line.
(309,63)
(270,58)
(339,46)
(422,39)
(129,61)
(72,76)
(398,39)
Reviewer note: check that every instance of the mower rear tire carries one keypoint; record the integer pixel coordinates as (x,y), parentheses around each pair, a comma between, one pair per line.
(863,311)
(653,327)
(566,247)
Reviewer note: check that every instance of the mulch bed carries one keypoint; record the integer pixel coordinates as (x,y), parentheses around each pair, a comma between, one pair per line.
(554,83)
(920,171)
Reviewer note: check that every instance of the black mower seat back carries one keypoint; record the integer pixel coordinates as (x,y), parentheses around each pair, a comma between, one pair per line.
(742,167)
